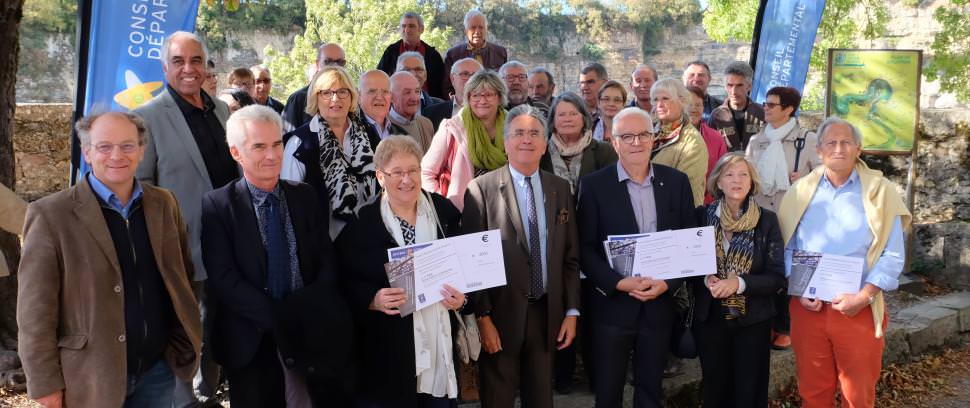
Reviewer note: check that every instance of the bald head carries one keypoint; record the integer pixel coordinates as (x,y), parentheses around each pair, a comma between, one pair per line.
(375,94)
(330,54)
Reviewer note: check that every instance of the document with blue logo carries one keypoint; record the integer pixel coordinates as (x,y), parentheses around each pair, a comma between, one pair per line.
(667,254)
(467,262)
(821,276)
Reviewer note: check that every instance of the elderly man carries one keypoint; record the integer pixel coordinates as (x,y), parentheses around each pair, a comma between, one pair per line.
(460,73)
(698,74)
(187,154)
(633,313)
(295,115)
(843,208)
(406,107)
(490,55)
(412,26)
(523,322)
(641,80)
(412,62)
(105,308)
(209,85)
(738,118)
(513,74)
(542,86)
(284,333)
(375,102)
(264,85)
(591,78)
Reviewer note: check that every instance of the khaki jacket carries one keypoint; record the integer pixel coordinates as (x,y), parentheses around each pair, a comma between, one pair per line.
(12,210)
(70,303)
(807,160)
(689,156)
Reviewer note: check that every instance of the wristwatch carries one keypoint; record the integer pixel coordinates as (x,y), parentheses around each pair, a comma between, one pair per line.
(483,314)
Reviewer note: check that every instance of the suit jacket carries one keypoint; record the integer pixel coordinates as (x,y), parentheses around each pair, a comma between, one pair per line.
(605,209)
(438,112)
(70,308)
(275,104)
(387,365)
(432,62)
(489,204)
(173,161)
(493,56)
(315,338)
(765,278)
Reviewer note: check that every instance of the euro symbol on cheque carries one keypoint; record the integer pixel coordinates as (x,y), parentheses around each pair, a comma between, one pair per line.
(700,232)
(484,237)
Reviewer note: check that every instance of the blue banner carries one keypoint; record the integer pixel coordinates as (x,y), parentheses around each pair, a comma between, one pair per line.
(124,59)
(785,47)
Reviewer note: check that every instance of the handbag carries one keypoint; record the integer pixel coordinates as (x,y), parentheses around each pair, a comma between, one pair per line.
(682,343)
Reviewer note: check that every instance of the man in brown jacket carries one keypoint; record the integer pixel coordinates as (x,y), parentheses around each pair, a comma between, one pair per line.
(106,314)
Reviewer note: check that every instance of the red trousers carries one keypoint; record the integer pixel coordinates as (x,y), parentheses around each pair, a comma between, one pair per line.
(832,350)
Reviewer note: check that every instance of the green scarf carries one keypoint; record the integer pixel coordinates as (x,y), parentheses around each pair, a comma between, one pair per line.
(485,152)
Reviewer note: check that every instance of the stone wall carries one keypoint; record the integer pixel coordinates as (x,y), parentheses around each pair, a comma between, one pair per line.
(42,148)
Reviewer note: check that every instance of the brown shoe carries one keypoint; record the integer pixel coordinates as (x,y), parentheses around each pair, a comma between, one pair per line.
(781,342)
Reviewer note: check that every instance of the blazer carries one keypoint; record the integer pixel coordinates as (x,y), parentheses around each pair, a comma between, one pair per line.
(490,204)
(438,112)
(766,277)
(173,162)
(433,62)
(605,209)
(316,339)
(387,365)
(70,308)
(596,155)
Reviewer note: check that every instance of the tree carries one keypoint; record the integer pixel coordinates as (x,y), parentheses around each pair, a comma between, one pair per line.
(362,27)
(950,63)
(217,22)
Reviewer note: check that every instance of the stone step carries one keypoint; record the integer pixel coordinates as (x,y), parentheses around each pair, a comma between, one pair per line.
(911,283)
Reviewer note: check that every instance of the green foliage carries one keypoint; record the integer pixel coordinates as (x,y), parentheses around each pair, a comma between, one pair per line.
(362,27)
(601,18)
(951,50)
(216,22)
(591,52)
(43,18)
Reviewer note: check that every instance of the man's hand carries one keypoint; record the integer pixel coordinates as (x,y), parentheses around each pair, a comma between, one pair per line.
(654,288)
(631,283)
(850,305)
(812,305)
(55,400)
(490,338)
(567,332)
(387,300)
(722,288)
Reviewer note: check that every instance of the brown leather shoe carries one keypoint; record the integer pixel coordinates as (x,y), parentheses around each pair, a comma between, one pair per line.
(781,342)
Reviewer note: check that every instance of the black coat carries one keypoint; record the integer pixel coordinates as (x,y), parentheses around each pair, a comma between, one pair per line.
(294,112)
(386,363)
(596,155)
(438,112)
(433,63)
(766,277)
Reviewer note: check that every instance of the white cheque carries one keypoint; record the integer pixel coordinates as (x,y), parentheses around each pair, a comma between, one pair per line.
(663,255)
(467,262)
(824,276)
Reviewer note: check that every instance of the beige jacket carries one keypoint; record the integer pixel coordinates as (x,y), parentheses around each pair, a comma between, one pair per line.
(12,212)
(807,160)
(689,156)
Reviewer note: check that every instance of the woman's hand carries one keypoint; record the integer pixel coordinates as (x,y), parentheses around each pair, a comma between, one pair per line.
(387,300)
(453,299)
(723,288)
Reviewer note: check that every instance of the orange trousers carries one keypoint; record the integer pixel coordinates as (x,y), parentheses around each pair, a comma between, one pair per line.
(832,350)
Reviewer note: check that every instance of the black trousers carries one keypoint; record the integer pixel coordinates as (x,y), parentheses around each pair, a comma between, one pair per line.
(782,320)
(735,362)
(526,367)
(566,358)
(649,342)
(259,384)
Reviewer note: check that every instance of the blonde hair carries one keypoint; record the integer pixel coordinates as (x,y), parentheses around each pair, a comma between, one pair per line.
(325,78)
(727,161)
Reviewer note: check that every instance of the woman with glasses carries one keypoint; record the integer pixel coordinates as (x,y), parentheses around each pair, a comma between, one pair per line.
(409,361)
(334,152)
(678,143)
(612,96)
(470,143)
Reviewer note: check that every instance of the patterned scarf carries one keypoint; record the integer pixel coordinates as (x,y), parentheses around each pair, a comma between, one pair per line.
(669,134)
(566,161)
(737,258)
(486,153)
(350,179)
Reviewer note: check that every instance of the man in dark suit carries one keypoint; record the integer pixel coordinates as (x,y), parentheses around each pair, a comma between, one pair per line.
(282,332)
(412,26)
(523,322)
(461,71)
(630,313)
(294,114)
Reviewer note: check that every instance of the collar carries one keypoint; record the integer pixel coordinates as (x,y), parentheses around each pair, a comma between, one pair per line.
(622,175)
(386,127)
(259,196)
(420,48)
(108,196)
(207,104)
(853,179)
(518,177)
(399,118)
(468,46)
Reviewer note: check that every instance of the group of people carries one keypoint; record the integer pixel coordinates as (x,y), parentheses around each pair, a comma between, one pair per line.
(209,243)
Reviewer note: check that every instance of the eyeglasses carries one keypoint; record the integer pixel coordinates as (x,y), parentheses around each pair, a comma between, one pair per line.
(482,95)
(520,77)
(342,93)
(630,138)
(415,69)
(264,81)
(339,62)
(380,93)
(772,105)
(400,174)
(108,148)
(532,134)
(465,74)
(607,99)
(210,76)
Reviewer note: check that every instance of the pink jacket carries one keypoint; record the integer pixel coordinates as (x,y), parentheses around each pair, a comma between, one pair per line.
(436,162)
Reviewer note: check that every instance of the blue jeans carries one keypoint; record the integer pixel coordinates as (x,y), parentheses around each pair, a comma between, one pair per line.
(152,389)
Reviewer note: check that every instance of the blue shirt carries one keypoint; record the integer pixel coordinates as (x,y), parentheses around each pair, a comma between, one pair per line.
(641,198)
(835,223)
(522,198)
(108,196)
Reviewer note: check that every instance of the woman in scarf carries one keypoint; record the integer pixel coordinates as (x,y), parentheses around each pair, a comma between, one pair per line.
(405,362)
(470,143)
(734,307)
(678,144)
(774,149)
(573,152)
(611,98)
(334,152)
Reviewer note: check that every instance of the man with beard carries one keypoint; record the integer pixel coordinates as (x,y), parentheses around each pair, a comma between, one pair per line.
(513,74)
(541,85)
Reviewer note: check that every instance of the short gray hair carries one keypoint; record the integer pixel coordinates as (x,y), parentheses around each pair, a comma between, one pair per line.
(524,110)
(642,66)
(509,65)
(454,67)
(726,161)
(835,120)
(633,111)
(543,70)
(487,79)
(675,88)
(83,126)
(395,144)
(183,34)
(397,75)
(260,68)
(404,57)
(596,67)
(572,99)
(472,14)
(236,125)
(740,68)
(360,82)
(415,16)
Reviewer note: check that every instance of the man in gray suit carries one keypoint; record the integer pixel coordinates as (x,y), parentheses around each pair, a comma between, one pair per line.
(188,155)
(523,322)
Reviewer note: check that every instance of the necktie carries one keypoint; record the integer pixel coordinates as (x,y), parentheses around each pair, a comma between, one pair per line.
(535,250)
(277,249)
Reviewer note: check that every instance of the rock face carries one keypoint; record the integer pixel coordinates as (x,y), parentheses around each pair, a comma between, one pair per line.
(42,148)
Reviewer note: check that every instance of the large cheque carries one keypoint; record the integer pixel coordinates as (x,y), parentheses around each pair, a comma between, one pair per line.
(467,262)
(663,255)
(824,276)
